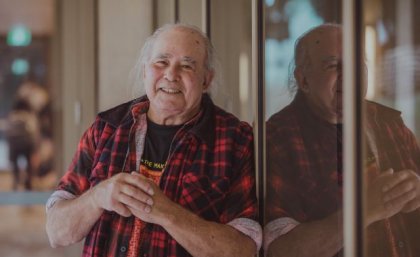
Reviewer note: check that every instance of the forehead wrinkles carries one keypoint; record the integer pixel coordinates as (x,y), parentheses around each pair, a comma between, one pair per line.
(187,39)
(183,34)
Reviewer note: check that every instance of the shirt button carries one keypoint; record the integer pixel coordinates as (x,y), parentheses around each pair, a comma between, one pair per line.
(123,249)
(401,244)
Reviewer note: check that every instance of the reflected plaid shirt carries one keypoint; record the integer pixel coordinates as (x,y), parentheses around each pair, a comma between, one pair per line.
(305,172)
(210,172)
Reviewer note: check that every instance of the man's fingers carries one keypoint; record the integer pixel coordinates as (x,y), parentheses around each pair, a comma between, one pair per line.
(387,172)
(399,190)
(411,206)
(137,194)
(141,182)
(396,204)
(396,179)
(140,209)
(122,210)
(133,203)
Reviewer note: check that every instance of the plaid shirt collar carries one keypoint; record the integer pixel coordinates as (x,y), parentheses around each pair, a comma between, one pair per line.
(374,110)
(378,112)
(202,125)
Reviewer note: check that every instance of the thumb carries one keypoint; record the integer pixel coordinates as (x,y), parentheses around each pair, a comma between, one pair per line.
(389,171)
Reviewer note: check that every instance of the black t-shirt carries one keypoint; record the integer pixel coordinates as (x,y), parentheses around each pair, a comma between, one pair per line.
(157,143)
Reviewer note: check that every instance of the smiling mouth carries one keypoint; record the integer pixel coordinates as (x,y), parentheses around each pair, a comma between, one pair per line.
(170,91)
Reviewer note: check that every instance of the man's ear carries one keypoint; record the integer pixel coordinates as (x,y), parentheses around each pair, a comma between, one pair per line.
(301,80)
(208,78)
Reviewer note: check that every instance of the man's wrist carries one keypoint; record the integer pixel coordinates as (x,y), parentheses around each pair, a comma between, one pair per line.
(175,215)
(92,199)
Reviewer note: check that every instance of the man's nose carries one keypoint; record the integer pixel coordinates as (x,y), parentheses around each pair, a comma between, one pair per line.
(172,73)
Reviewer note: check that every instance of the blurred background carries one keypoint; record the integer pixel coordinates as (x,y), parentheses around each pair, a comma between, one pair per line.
(62,61)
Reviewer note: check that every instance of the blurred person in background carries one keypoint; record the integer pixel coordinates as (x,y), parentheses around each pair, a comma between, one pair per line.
(39,101)
(22,136)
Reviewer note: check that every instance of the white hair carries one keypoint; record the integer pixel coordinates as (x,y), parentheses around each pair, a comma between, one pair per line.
(211,63)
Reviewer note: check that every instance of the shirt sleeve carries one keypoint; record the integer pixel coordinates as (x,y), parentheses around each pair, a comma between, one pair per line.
(283,195)
(250,228)
(276,228)
(76,179)
(57,196)
(241,211)
(241,200)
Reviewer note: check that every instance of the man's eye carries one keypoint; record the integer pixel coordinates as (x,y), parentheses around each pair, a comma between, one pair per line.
(187,67)
(161,62)
(335,66)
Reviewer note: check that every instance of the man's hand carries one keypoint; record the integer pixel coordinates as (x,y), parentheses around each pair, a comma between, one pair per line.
(198,236)
(161,208)
(123,192)
(406,185)
(390,193)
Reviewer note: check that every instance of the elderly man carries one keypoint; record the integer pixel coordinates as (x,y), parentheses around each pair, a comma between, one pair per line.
(304,198)
(168,174)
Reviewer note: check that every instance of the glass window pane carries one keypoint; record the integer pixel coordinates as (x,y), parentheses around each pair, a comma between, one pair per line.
(391,128)
(303,83)
(231,36)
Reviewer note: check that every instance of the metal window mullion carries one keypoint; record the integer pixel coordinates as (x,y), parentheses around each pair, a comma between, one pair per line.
(258,41)
(206,17)
(353,136)
(176,11)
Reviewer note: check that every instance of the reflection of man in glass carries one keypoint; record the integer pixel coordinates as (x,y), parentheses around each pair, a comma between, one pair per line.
(192,192)
(304,198)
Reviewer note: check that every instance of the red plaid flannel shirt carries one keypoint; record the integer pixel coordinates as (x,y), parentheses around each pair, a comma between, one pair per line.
(304,178)
(210,172)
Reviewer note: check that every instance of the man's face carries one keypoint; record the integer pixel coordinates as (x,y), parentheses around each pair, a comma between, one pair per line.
(322,80)
(175,76)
